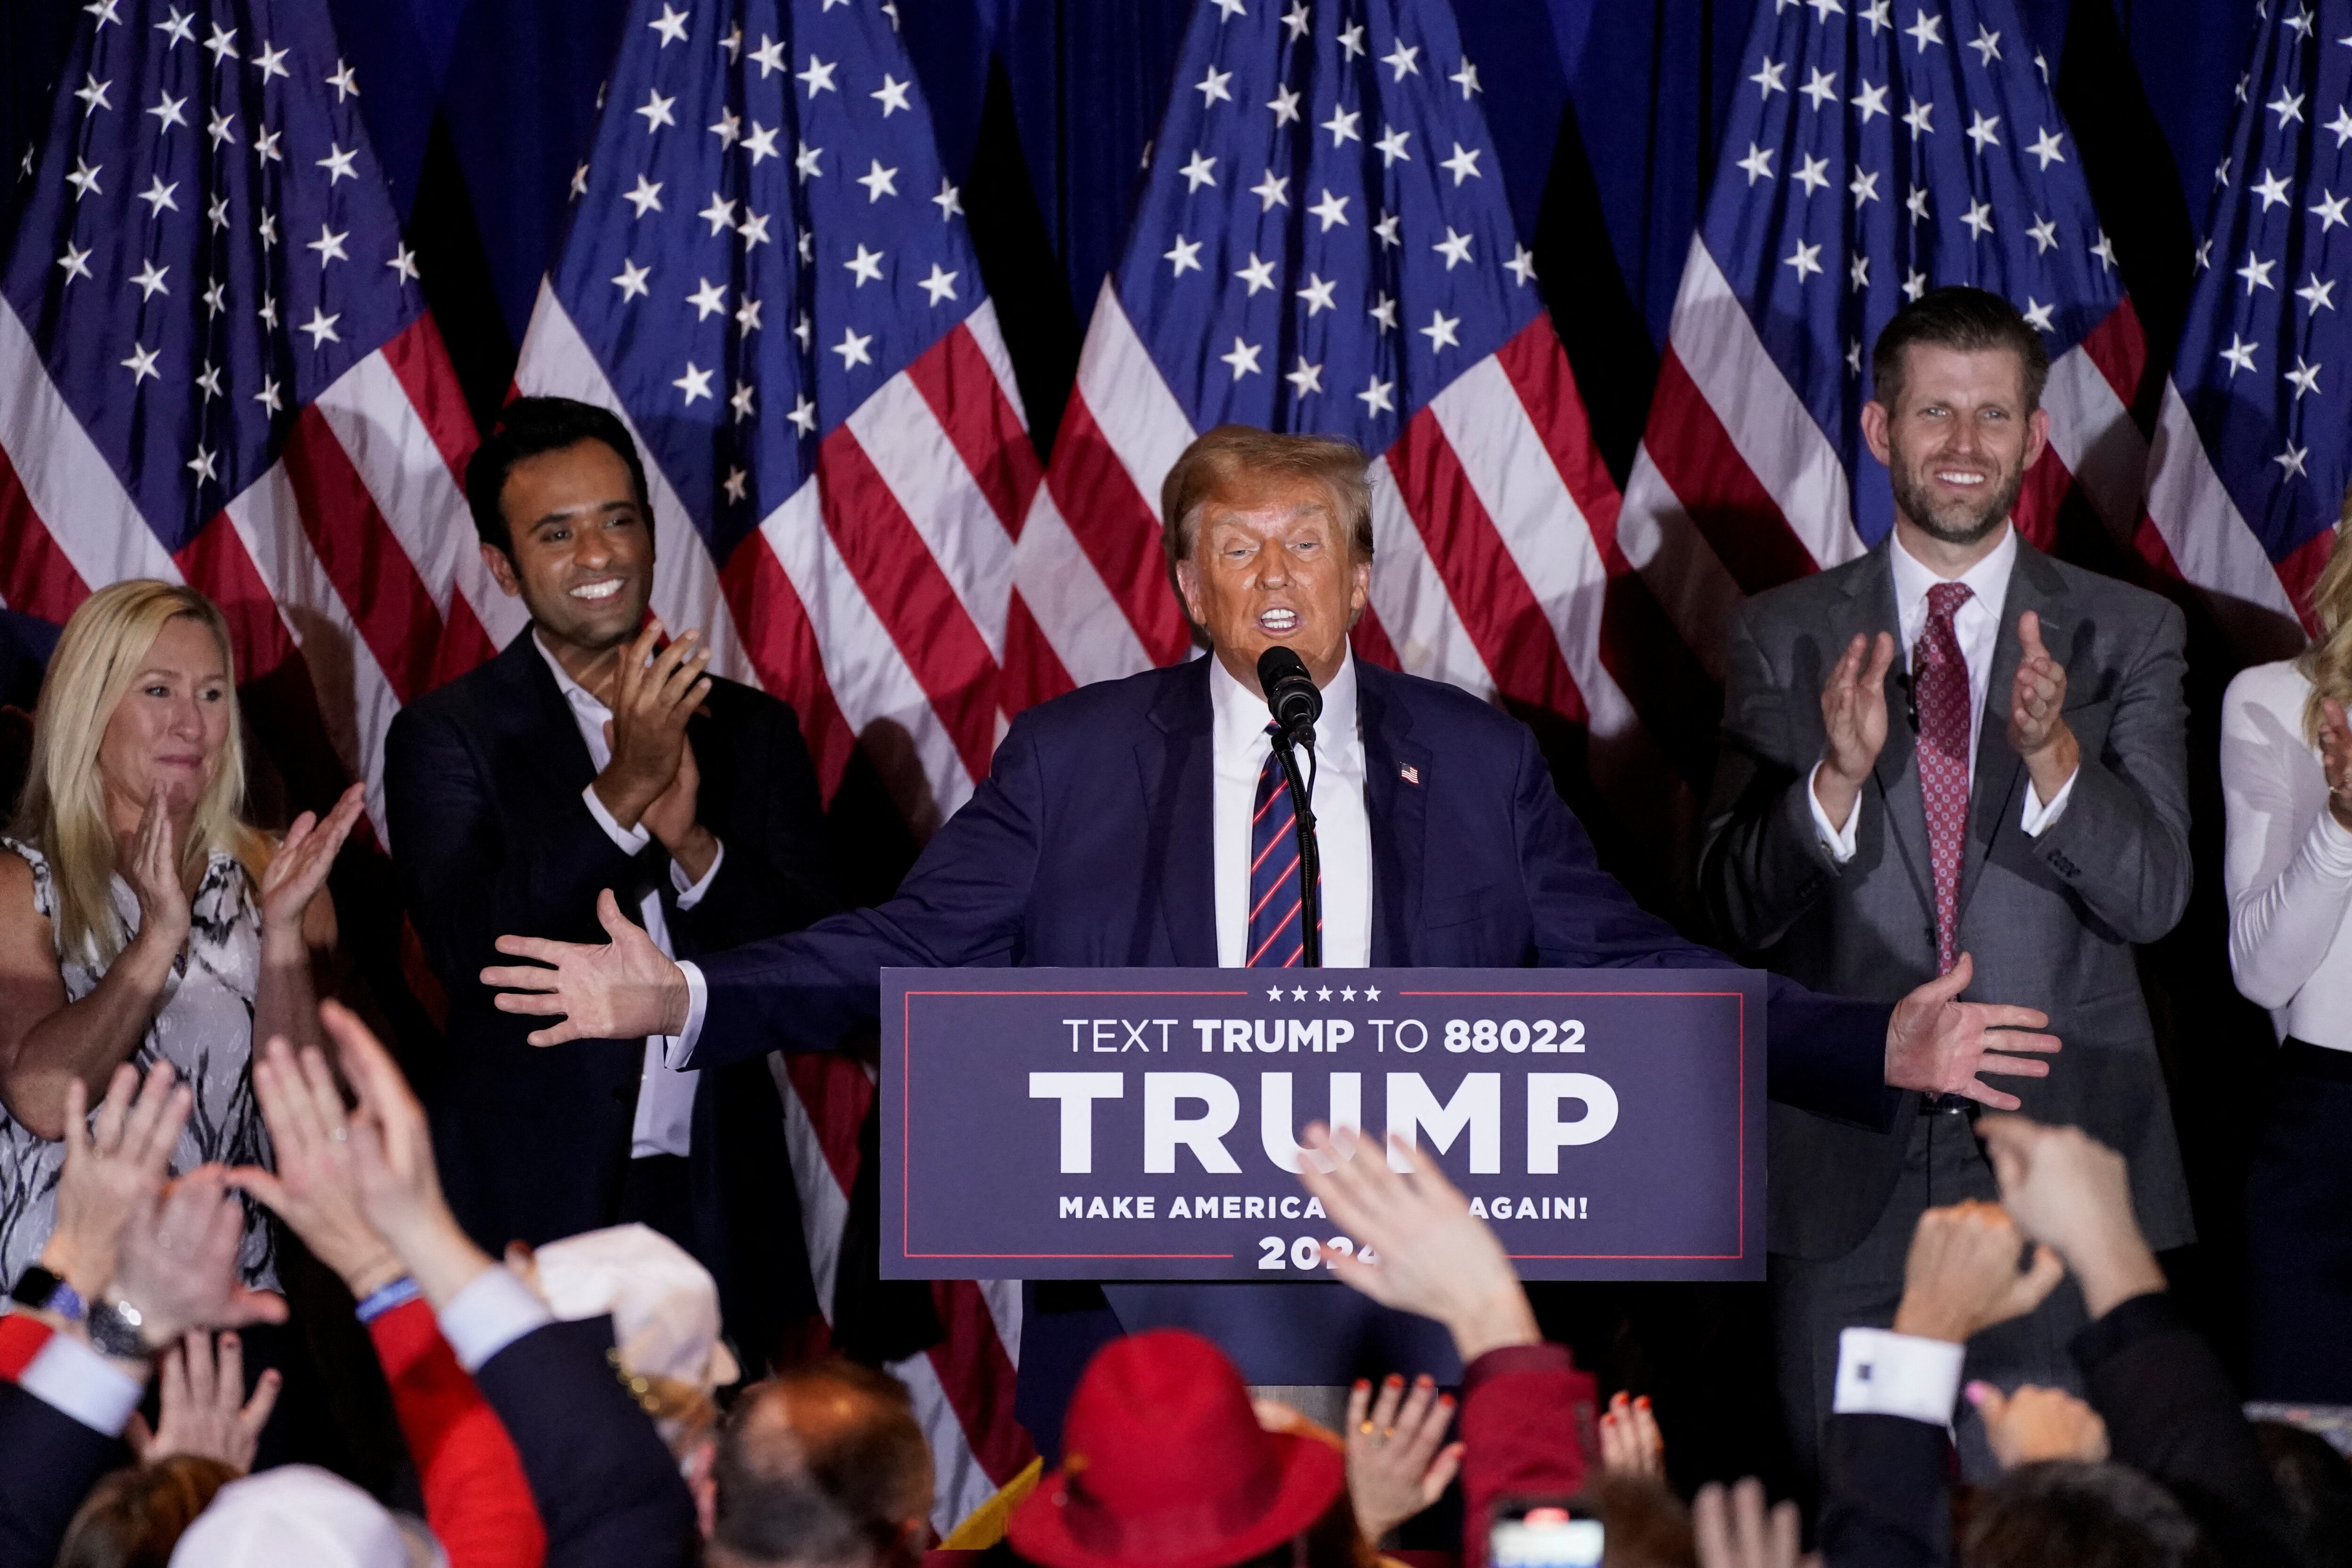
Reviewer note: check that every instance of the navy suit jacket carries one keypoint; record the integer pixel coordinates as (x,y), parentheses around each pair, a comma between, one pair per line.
(1089,845)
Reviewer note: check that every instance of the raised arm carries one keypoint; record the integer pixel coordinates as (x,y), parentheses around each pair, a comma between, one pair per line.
(2288,868)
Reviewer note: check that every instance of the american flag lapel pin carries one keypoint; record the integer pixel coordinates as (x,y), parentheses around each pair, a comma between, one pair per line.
(1409,773)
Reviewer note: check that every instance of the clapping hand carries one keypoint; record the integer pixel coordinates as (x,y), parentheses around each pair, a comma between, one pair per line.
(152,870)
(298,870)
(622,990)
(1937,1044)
(203,1406)
(2335,760)
(1854,715)
(653,696)
(113,1171)
(1398,1461)
(2038,730)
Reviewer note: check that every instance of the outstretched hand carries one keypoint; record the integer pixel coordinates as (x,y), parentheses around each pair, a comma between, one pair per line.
(202,1409)
(178,1265)
(1398,1461)
(2038,730)
(315,1188)
(298,870)
(1937,1044)
(622,990)
(1430,1254)
(1854,718)
(113,1171)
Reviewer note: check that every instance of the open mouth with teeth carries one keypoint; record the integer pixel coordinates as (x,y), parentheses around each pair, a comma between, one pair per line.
(1961,478)
(596,590)
(1278,620)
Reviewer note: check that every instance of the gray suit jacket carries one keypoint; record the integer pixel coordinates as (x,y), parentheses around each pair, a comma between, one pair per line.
(2050,921)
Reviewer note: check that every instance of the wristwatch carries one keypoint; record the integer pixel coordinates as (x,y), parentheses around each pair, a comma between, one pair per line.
(43,1292)
(118,1329)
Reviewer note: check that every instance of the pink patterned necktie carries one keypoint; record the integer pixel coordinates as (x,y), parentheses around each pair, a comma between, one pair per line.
(1939,684)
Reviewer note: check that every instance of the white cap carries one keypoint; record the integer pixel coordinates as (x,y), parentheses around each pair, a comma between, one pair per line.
(665,1305)
(300,1516)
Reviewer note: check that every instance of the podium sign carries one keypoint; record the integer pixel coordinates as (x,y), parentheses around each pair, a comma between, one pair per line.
(1142,1123)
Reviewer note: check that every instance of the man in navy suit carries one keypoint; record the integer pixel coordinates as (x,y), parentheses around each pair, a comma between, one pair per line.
(1119,826)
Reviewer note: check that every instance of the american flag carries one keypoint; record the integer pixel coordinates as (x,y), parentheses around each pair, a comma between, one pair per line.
(1323,244)
(2250,457)
(767,274)
(215,365)
(1872,154)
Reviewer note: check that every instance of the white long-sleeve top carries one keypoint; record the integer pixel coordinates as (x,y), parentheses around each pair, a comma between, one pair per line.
(2288,870)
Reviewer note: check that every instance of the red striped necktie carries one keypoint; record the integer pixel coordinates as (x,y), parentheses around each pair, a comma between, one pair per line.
(1276,939)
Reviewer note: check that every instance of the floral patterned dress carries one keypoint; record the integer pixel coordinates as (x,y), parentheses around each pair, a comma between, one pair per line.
(203,1028)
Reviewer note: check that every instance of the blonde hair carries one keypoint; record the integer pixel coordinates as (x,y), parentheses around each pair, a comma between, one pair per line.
(64,813)
(2326,664)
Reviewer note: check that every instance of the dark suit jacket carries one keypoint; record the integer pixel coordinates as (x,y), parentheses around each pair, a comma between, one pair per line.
(48,1462)
(2050,921)
(607,1489)
(483,781)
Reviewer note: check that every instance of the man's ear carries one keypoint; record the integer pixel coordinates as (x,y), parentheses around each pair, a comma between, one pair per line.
(1875,430)
(2037,436)
(1360,591)
(502,571)
(1188,589)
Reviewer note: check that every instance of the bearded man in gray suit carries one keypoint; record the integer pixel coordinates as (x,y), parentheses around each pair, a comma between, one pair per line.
(1952,753)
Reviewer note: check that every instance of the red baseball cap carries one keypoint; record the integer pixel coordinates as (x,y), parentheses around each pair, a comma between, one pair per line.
(1165,1465)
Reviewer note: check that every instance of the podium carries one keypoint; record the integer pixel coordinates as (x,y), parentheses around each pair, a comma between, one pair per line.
(1132,1126)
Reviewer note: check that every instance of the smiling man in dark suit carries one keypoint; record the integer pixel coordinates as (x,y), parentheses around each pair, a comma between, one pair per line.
(587,756)
(2017,825)
(1121,824)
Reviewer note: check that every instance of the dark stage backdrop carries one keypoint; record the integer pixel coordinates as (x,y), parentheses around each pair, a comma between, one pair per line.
(1606,116)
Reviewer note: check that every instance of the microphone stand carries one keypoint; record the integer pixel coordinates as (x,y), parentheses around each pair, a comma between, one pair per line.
(1310,859)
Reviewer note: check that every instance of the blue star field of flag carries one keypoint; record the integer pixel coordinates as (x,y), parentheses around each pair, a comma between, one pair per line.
(1324,242)
(203,242)
(1872,156)
(2265,348)
(762,237)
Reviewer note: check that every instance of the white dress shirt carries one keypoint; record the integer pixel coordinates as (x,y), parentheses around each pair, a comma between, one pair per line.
(2288,867)
(1976,625)
(665,1120)
(1882,1372)
(1343,831)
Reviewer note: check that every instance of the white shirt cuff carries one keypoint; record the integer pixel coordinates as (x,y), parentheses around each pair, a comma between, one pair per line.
(491,1313)
(2039,817)
(74,1379)
(630,840)
(676,1048)
(690,893)
(1839,842)
(1882,1372)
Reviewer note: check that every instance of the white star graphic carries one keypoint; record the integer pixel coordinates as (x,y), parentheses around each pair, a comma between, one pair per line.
(1464,164)
(167,112)
(2330,210)
(852,349)
(1390,146)
(158,196)
(268,396)
(1403,59)
(1916,202)
(1454,247)
(201,465)
(1298,994)
(1917,116)
(728,128)
(1857,273)
(761,143)
(1758,164)
(818,77)
(1879,16)
(2272,190)
(695,383)
(580,182)
(1317,294)
(2240,354)
(84,178)
(1522,265)
(1820,86)
(769,56)
(1854,356)
(1983,131)
(1441,331)
(208,379)
(1331,209)
(2340,127)
(216,298)
(75,262)
(753,230)
(222,44)
(1303,379)
(1186,254)
(403,263)
(2045,233)
(1243,358)
(2306,376)
(670,24)
(1257,275)
(2256,272)
(345,84)
(2286,106)
(1824,9)
(1347,993)
(338,164)
(321,328)
(2037,315)
(269,62)
(734,484)
(1805,259)
(1871,100)
(2316,294)
(179,26)
(938,285)
(2300,22)
(803,415)
(892,95)
(328,245)
(2204,252)
(1231,9)
(1376,397)
(1271,192)
(264,147)
(747,315)
(878,181)
(2290,461)
(140,364)
(866,265)
(1466,78)
(709,299)
(1915,284)
(645,198)
(1351,40)
(1387,229)
(949,201)
(2105,251)
(1296,19)
(2045,147)
(1771,77)
(1273,993)
(1986,43)
(1323,995)
(2222,174)
(1342,125)
(1284,104)
(150,280)
(1212,86)
(719,215)
(804,162)
(631,279)
(1862,187)
(1198,172)
(1813,176)
(268,230)
(1371,993)
(216,215)
(268,311)
(656,110)
(1978,218)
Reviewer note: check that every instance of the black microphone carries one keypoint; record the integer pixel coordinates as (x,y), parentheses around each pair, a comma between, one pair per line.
(1291,692)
